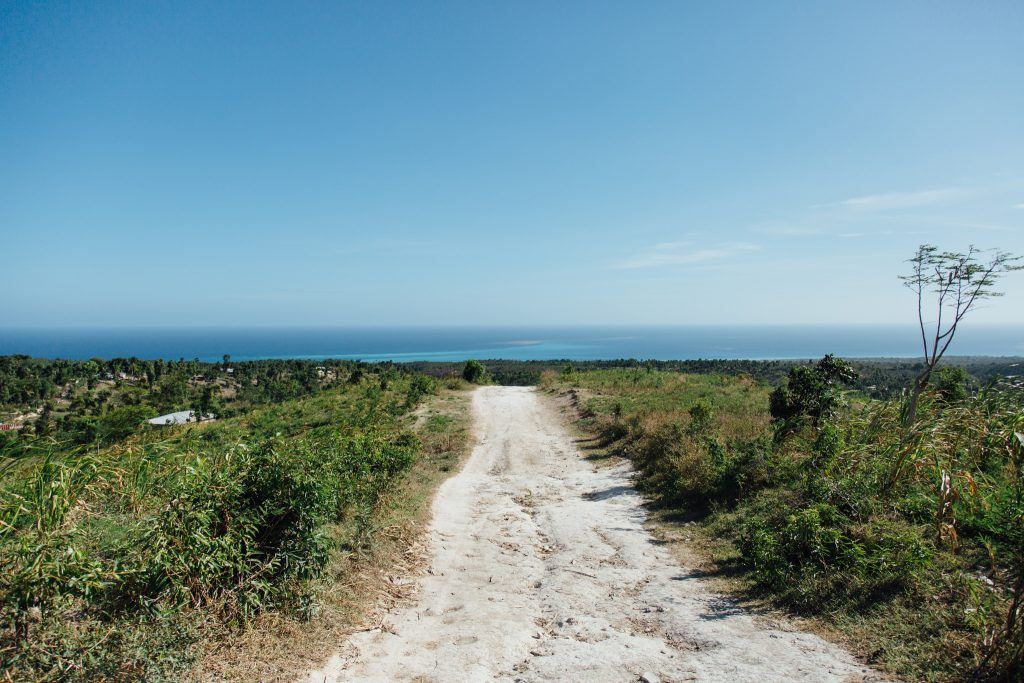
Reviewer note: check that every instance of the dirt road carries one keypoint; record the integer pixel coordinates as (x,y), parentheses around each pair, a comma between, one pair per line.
(542,570)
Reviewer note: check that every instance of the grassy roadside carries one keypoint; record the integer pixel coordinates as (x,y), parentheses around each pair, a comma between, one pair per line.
(186,544)
(834,522)
(360,581)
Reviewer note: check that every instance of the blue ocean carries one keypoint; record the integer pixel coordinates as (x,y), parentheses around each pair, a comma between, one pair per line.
(520,343)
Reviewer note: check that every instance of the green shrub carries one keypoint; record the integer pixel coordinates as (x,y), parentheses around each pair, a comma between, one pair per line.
(749,467)
(683,467)
(789,551)
(760,547)
(43,564)
(474,372)
(828,445)
(241,529)
(152,646)
(701,417)
(453,381)
(817,556)
(811,392)
(950,383)
(420,386)
(120,423)
(238,528)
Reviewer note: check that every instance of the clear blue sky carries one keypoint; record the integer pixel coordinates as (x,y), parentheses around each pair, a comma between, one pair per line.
(522,163)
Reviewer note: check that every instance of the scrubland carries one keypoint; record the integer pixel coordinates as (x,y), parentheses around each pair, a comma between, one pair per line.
(906,543)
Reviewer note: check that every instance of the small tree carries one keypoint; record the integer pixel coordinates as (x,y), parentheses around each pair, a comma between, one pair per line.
(208,403)
(43,424)
(701,416)
(951,383)
(810,392)
(950,284)
(474,372)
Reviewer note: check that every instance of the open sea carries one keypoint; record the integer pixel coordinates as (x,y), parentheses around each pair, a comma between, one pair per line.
(520,343)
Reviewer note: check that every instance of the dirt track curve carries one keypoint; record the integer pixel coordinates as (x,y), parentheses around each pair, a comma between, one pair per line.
(541,570)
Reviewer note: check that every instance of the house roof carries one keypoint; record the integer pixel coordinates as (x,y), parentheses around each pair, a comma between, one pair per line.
(178,418)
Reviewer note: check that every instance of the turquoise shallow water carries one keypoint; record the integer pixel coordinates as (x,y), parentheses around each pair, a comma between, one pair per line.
(522,343)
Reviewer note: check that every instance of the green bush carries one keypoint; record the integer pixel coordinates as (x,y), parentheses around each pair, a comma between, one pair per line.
(785,552)
(950,383)
(680,466)
(701,417)
(43,565)
(238,528)
(474,372)
(828,445)
(811,392)
(750,466)
(120,423)
(242,528)
(420,386)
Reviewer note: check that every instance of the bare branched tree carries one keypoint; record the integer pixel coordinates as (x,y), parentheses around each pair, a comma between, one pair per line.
(949,284)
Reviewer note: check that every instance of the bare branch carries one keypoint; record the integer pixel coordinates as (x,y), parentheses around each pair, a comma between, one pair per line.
(956,281)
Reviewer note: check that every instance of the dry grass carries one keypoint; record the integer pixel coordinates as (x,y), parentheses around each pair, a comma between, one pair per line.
(360,585)
(656,398)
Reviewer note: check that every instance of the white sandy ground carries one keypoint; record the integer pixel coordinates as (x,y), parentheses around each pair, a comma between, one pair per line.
(541,570)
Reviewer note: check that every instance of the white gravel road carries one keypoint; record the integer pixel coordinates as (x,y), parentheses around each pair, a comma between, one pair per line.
(542,570)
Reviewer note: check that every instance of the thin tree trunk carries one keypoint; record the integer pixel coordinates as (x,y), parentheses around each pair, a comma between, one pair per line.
(910,417)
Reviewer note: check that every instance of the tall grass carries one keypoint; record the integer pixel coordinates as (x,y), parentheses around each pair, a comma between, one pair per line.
(112,563)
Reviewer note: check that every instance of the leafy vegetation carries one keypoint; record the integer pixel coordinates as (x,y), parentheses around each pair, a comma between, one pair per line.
(100,402)
(474,372)
(876,377)
(810,392)
(116,562)
(910,543)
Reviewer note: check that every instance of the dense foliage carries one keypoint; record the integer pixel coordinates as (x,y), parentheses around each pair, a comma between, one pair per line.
(113,560)
(474,372)
(810,392)
(101,402)
(911,541)
(876,377)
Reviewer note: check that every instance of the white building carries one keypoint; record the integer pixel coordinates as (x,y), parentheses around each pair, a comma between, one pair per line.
(179,418)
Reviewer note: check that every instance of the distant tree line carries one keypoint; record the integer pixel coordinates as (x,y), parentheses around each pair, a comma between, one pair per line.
(878,378)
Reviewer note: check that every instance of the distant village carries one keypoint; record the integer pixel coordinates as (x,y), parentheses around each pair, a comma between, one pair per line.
(88,399)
